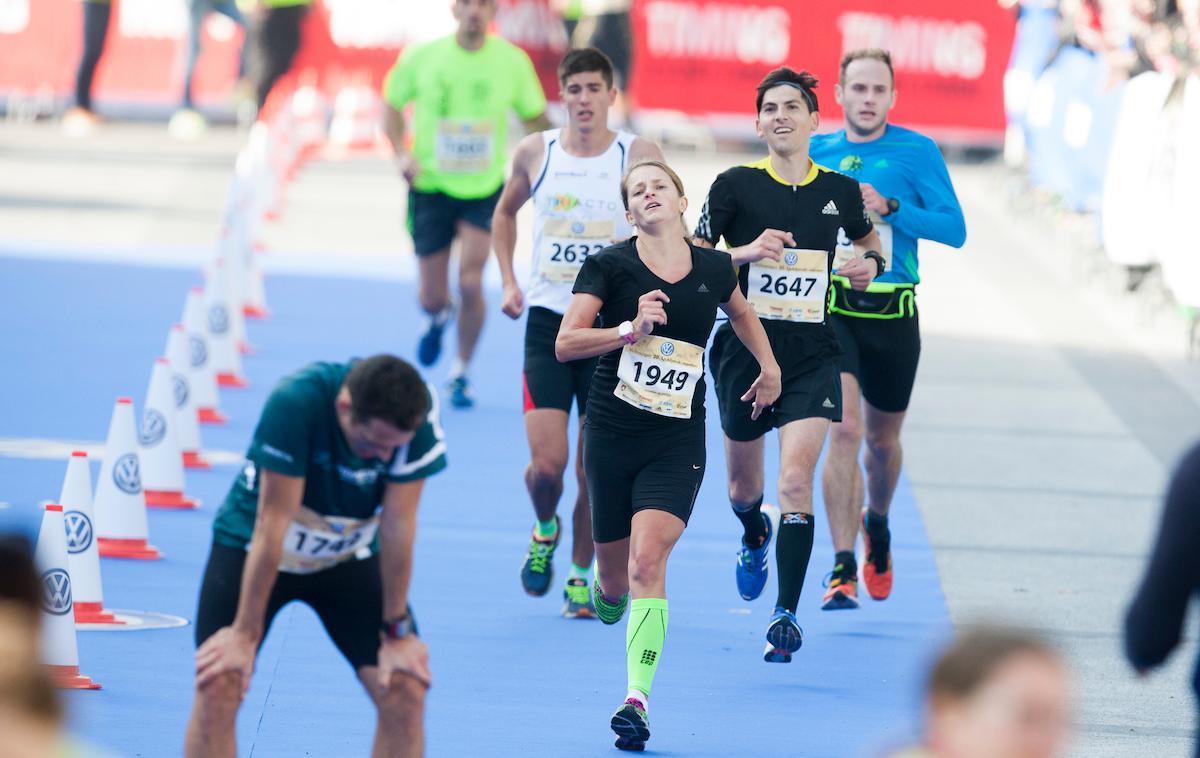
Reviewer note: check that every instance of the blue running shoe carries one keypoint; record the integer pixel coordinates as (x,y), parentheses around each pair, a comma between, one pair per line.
(429,346)
(784,637)
(752,568)
(460,393)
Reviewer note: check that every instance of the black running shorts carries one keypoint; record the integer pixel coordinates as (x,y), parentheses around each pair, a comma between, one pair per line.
(812,387)
(626,475)
(882,354)
(433,218)
(548,383)
(348,599)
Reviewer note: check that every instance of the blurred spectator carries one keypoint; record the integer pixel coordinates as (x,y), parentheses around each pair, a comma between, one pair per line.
(276,36)
(995,693)
(80,119)
(187,123)
(1154,623)
(571,12)
(608,26)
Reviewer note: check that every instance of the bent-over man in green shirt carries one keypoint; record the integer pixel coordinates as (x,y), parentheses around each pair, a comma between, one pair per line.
(462,88)
(324,512)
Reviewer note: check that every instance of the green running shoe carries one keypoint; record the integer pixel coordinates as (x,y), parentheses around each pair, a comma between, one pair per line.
(631,725)
(578,599)
(609,613)
(538,569)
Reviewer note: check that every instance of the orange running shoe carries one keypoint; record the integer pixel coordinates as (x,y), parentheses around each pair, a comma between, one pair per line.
(877,568)
(841,593)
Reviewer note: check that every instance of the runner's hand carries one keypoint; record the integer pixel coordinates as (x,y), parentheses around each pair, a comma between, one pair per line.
(651,311)
(872,200)
(409,168)
(407,655)
(764,392)
(229,650)
(513,302)
(770,244)
(859,271)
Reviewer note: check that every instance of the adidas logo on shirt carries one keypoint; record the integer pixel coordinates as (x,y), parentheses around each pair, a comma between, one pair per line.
(827,404)
(703,288)
(830,209)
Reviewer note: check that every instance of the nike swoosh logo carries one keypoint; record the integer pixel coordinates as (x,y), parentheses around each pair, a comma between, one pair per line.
(697,468)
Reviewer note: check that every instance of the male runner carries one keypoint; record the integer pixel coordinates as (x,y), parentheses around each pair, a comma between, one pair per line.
(780,218)
(324,512)
(907,191)
(462,87)
(573,175)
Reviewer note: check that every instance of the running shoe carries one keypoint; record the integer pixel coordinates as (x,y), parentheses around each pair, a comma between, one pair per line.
(578,597)
(841,590)
(784,637)
(752,564)
(609,613)
(631,725)
(429,346)
(538,569)
(877,570)
(460,393)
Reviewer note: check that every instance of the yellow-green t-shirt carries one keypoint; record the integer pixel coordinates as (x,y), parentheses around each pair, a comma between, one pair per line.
(461,99)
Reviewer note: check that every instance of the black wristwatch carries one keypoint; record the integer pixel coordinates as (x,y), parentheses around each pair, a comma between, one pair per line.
(893,205)
(880,263)
(398,628)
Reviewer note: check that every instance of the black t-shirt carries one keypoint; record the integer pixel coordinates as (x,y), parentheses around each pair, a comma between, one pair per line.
(746,200)
(618,277)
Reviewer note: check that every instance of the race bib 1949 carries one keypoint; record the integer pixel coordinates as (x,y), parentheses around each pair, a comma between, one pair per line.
(463,147)
(566,243)
(659,375)
(315,542)
(794,288)
(845,248)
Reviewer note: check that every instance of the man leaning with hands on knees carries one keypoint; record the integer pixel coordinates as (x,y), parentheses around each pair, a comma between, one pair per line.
(324,512)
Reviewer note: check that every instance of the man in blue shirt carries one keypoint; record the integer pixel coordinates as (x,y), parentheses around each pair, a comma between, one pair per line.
(907,191)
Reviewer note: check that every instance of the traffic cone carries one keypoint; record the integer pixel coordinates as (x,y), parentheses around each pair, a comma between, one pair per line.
(224,350)
(357,113)
(60,651)
(82,554)
(158,444)
(254,293)
(186,424)
(121,525)
(202,378)
(232,255)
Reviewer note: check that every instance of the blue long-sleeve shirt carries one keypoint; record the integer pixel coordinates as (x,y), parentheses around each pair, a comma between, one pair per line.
(908,166)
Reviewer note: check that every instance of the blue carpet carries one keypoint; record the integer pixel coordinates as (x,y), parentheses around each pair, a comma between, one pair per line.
(510,676)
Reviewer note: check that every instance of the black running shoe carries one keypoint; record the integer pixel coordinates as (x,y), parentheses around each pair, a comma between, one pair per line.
(631,725)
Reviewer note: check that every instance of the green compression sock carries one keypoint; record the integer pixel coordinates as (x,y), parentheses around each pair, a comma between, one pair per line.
(547,529)
(644,637)
(578,572)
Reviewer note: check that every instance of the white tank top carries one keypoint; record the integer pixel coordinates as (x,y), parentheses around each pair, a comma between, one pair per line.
(577,212)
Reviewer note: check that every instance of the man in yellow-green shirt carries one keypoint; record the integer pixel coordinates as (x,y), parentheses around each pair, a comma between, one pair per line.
(462,88)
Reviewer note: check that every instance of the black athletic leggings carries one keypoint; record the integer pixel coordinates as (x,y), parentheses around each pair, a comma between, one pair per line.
(95,29)
(276,41)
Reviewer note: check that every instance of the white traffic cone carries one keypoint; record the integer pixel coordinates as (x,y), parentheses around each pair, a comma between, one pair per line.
(203,378)
(60,651)
(254,293)
(120,506)
(232,255)
(83,554)
(158,444)
(220,314)
(187,426)
(310,114)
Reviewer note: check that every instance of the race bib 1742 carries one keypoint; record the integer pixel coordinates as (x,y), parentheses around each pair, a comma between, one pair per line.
(315,542)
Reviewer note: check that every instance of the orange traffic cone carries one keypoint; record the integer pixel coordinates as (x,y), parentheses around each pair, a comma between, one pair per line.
(60,650)
(158,444)
(186,424)
(83,554)
(121,525)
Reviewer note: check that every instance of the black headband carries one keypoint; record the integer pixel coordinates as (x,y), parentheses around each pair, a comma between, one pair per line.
(810,98)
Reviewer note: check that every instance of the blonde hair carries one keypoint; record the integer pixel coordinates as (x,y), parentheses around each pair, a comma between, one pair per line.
(866,53)
(670,172)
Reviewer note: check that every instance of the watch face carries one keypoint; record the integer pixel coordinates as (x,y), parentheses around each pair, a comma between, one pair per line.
(893,205)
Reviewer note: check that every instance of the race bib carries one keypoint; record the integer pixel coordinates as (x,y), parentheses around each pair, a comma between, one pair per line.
(793,289)
(566,243)
(659,375)
(464,147)
(845,248)
(314,542)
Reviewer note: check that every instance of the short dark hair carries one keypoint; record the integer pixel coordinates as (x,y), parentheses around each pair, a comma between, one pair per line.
(585,60)
(387,388)
(801,80)
(971,660)
(866,53)
(20,581)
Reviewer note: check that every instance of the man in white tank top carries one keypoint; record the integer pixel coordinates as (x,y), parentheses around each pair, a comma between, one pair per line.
(573,175)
